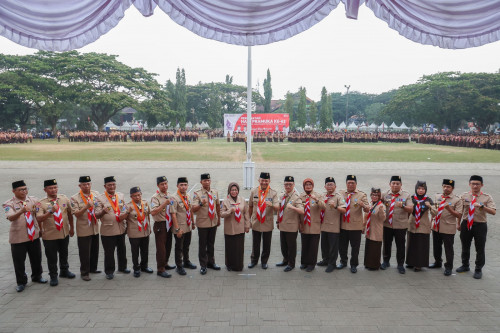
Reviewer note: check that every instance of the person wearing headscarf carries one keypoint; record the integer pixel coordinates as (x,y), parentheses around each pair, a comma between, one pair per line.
(417,254)
(373,227)
(234,211)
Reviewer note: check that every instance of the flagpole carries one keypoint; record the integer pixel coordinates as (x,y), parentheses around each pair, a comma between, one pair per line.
(249,166)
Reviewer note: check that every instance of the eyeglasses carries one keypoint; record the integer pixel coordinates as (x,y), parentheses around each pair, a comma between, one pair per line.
(24,189)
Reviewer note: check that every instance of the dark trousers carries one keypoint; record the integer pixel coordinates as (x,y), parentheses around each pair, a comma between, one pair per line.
(266,237)
(206,242)
(109,243)
(329,247)
(399,235)
(34,251)
(288,242)
(182,248)
(347,237)
(438,239)
(52,248)
(141,245)
(309,253)
(163,240)
(88,250)
(478,233)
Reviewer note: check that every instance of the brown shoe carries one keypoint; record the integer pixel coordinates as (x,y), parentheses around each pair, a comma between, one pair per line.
(86,278)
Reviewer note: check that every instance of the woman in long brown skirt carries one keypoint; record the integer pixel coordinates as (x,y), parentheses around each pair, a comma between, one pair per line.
(373,229)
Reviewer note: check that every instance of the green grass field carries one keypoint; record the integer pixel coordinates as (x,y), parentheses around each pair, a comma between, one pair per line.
(220,150)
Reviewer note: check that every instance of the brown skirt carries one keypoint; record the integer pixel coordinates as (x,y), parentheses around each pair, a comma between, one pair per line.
(417,251)
(235,248)
(372,254)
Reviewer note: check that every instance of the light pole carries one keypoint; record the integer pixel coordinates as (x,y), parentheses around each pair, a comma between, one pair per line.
(347,104)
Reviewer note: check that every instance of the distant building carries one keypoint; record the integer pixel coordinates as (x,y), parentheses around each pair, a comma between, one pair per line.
(127,114)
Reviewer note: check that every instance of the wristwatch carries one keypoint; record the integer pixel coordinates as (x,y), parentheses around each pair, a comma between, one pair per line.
(177,230)
(482,205)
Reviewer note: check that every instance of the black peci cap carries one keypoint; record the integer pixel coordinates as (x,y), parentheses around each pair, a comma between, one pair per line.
(205,176)
(351,177)
(265,175)
(449,182)
(84,179)
(395,179)
(135,189)
(289,179)
(49,182)
(161,180)
(182,180)
(18,183)
(110,179)
(329,180)
(476,177)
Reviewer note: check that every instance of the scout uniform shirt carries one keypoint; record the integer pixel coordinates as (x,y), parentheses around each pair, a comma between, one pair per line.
(134,229)
(316,206)
(231,226)
(400,216)
(156,200)
(202,219)
(447,222)
(18,232)
(332,217)
(356,219)
(377,219)
(109,225)
(179,209)
(83,226)
(49,229)
(291,219)
(479,214)
(425,221)
(271,197)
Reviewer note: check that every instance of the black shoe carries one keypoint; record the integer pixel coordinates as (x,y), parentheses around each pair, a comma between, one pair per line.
(229,269)
(463,269)
(40,280)
(20,287)
(281,264)
(354,269)
(252,265)
(96,271)
(164,274)
(67,275)
(309,269)
(417,269)
(180,270)
(137,273)
(436,265)
(215,267)
(189,265)
(264,266)
(478,274)
(302,266)
(125,271)
(85,278)
(288,268)
(408,266)
(341,265)
(385,265)
(371,269)
(54,282)
(169,267)
(330,268)
(401,269)
(147,270)
(447,272)
(110,276)
(322,263)
(203,270)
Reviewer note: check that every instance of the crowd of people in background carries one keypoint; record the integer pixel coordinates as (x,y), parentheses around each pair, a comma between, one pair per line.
(491,141)
(15,137)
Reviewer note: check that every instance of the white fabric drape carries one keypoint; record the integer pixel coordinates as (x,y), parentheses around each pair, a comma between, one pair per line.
(70,24)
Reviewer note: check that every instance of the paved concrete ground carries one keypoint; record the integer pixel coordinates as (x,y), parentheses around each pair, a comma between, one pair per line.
(253,300)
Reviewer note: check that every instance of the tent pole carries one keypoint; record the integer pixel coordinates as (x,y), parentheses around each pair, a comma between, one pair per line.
(249,166)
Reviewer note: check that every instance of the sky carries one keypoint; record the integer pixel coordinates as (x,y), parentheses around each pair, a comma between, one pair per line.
(365,54)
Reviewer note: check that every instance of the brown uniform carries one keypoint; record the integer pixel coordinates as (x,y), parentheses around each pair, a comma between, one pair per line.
(264,230)
(350,232)
(163,233)
(182,244)
(207,228)
(374,236)
(310,234)
(56,241)
(417,254)
(289,226)
(112,233)
(138,234)
(330,228)
(396,230)
(478,231)
(20,244)
(87,235)
(234,232)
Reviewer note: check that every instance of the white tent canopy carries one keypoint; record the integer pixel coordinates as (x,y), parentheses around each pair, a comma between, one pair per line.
(403,126)
(342,125)
(110,125)
(393,126)
(125,126)
(352,126)
(373,126)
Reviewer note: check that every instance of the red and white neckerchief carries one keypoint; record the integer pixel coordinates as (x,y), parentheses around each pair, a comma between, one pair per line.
(472,209)
(440,211)
(115,204)
(141,216)
(418,209)
(347,215)
(261,205)
(322,213)
(168,216)
(211,206)
(187,206)
(57,213)
(307,211)
(391,207)
(30,224)
(90,211)
(237,213)
(369,217)
(282,208)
